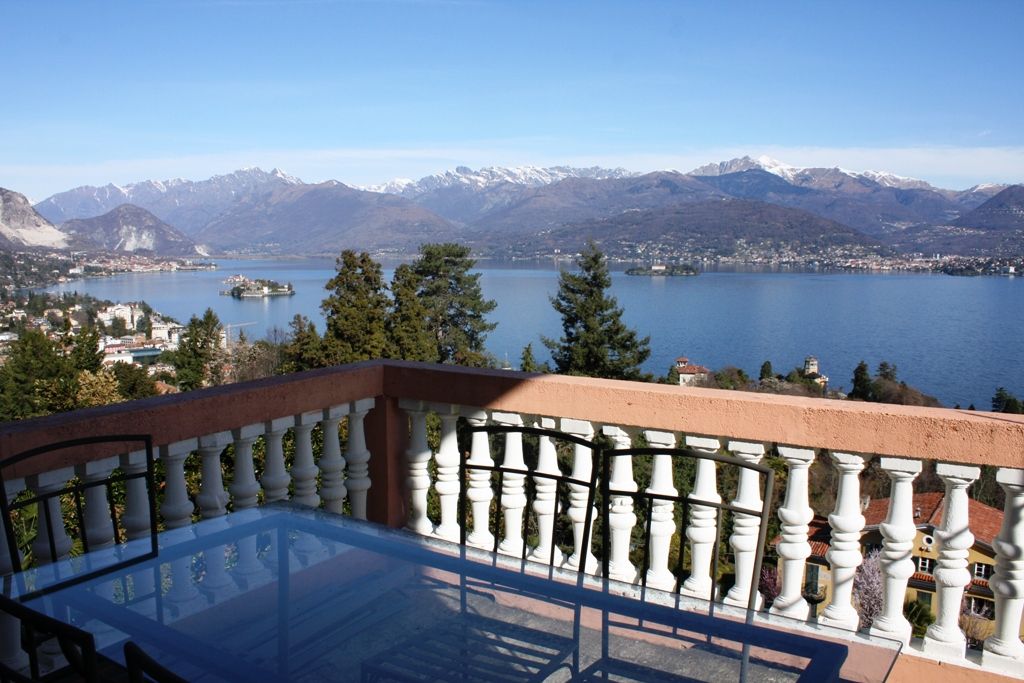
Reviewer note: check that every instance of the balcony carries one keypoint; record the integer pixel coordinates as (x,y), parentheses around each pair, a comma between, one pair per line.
(387,473)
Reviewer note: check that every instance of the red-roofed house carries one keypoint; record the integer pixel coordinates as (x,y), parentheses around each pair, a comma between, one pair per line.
(984,523)
(691,375)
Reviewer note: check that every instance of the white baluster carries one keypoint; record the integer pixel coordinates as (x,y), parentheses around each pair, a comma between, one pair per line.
(844,554)
(545,502)
(275,479)
(358,457)
(621,518)
(99,527)
(478,489)
(582,467)
(304,469)
(417,458)
(332,464)
(212,497)
(1003,649)
(513,486)
(795,515)
(898,534)
(743,540)
(447,484)
(244,488)
(663,519)
(136,517)
(955,539)
(177,508)
(43,484)
(703,525)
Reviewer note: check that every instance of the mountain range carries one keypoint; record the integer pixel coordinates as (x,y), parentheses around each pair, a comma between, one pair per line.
(493,209)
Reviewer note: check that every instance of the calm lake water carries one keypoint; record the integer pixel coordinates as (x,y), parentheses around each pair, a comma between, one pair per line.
(956,338)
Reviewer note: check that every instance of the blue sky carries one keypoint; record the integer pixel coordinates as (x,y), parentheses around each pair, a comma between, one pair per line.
(364,91)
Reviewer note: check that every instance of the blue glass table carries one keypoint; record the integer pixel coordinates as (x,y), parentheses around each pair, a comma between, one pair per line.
(282,593)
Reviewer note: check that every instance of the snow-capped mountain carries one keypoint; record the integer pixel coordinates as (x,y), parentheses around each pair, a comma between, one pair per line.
(22,226)
(807,176)
(492,176)
(187,205)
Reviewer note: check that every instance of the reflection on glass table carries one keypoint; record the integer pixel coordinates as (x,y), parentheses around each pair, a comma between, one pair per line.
(281,593)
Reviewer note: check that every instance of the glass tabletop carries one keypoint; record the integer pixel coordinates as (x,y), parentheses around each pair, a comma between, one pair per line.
(287,593)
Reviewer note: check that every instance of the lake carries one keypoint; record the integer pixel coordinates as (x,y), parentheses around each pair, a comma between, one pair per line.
(956,338)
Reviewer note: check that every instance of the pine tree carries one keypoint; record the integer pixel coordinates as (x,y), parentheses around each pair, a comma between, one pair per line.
(304,349)
(861,382)
(356,310)
(455,306)
(198,361)
(36,379)
(409,337)
(594,340)
(766,371)
(527,363)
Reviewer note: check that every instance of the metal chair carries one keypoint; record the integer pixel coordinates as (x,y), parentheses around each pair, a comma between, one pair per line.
(478,647)
(672,501)
(63,508)
(142,668)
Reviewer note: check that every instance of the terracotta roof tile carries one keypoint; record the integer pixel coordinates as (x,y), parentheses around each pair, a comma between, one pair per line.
(693,370)
(983,519)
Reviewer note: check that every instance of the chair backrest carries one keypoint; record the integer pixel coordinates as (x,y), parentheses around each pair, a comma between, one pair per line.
(142,668)
(528,495)
(58,509)
(680,496)
(77,646)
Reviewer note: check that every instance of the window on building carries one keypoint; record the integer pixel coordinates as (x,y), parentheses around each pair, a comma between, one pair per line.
(925,599)
(982,570)
(924,565)
(985,609)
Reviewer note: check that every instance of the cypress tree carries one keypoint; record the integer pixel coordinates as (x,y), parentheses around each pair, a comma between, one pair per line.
(594,340)
(456,311)
(356,310)
(527,362)
(862,385)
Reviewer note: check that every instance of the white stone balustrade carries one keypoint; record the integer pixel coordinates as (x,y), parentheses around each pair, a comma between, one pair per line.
(99,526)
(43,484)
(621,518)
(479,493)
(1004,650)
(339,480)
(275,477)
(513,485)
(898,533)
(844,554)
(212,498)
(244,488)
(794,549)
(582,467)
(663,522)
(703,526)
(743,540)
(545,503)
(447,484)
(955,539)
(332,464)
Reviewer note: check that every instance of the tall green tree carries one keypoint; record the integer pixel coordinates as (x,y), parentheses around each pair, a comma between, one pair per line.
(861,382)
(304,349)
(198,360)
(356,309)
(527,362)
(83,350)
(133,381)
(1005,402)
(594,340)
(409,337)
(767,372)
(456,311)
(36,378)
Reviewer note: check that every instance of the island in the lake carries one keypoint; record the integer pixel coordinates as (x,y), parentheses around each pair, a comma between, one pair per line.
(244,288)
(666,270)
